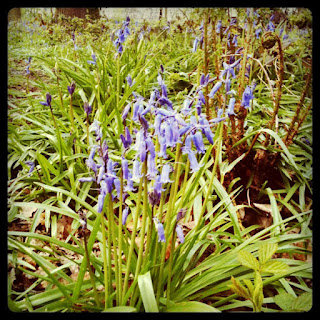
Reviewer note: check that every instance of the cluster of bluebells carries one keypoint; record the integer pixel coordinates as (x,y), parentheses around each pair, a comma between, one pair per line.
(199,39)
(27,69)
(121,34)
(159,127)
(73,37)
(157,123)
(103,168)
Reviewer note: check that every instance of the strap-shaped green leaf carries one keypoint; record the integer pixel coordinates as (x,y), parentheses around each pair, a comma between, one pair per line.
(191,306)
(147,292)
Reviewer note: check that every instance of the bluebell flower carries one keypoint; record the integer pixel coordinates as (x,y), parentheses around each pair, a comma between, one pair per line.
(137,109)
(247,96)
(230,110)
(150,146)
(87,108)
(48,100)
(228,70)
(187,144)
(101,174)
(186,106)
(201,97)
(218,26)
(126,31)
(257,32)
(144,122)
(71,88)
(125,214)
(171,132)
(181,213)
(143,150)
(92,152)
(235,40)
(117,183)
(98,131)
(155,195)
(31,164)
(180,233)
(205,80)
(160,230)
(120,49)
(92,165)
(125,112)
(198,142)
(195,44)
(129,80)
(270,26)
(125,168)
(86,179)
(205,127)
(166,169)
(194,165)
(110,167)
(215,88)
(104,150)
(163,147)
(107,184)
(94,59)
(126,139)
(136,171)
(152,171)
(129,186)
(157,124)
(101,198)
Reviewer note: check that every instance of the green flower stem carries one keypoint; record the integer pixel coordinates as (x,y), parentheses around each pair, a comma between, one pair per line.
(173,241)
(120,230)
(205,62)
(59,91)
(71,114)
(169,215)
(120,129)
(143,227)
(209,192)
(59,139)
(112,237)
(96,297)
(132,241)
(214,170)
(245,53)
(149,238)
(154,253)
(87,124)
(107,270)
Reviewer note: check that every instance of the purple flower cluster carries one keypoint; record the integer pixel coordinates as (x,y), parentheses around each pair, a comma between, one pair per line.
(159,124)
(28,66)
(122,34)
(94,59)
(104,169)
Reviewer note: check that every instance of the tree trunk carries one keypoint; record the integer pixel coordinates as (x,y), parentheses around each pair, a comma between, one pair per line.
(14,14)
(79,12)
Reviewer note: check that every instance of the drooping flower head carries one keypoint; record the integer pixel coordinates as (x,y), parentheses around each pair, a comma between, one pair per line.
(48,100)
(87,108)
(247,96)
(71,88)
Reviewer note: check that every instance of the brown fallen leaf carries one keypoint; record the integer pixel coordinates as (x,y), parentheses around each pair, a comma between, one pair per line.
(64,227)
